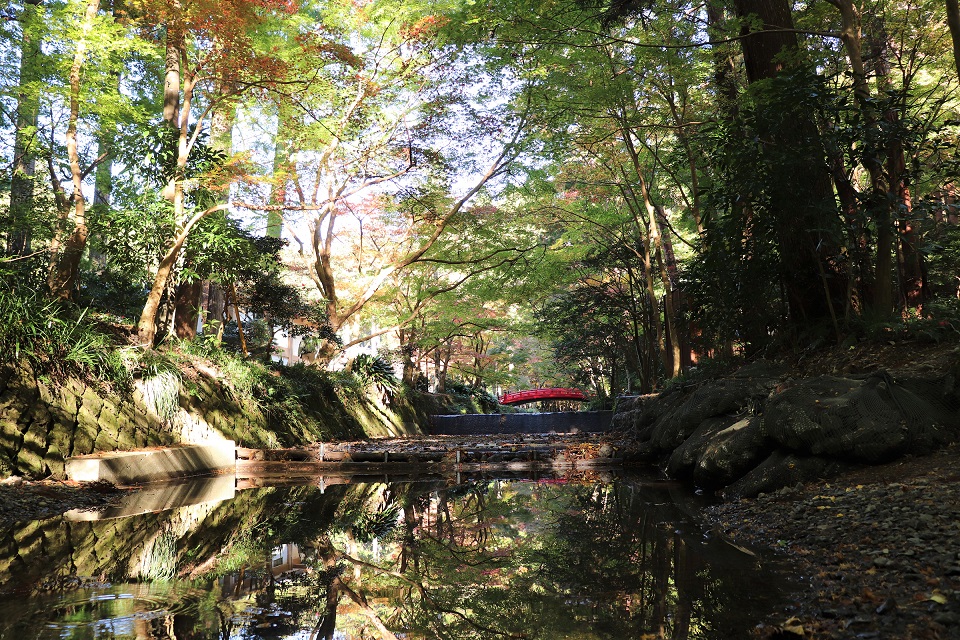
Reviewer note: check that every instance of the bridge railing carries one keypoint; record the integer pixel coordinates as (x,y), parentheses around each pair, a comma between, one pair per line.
(550,393)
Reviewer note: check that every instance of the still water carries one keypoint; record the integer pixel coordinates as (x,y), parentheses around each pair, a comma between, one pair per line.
(595,557)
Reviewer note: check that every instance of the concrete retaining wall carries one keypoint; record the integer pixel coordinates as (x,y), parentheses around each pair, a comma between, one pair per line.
(479,424)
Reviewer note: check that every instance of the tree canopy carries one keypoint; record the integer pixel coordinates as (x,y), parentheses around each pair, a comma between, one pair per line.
(622,190)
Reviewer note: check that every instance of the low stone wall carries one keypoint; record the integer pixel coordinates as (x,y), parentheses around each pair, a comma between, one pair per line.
(479,424)
(152,465)
(42,424)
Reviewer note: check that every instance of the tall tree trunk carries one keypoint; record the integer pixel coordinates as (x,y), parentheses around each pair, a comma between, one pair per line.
(724,65)
(953,19)
(186,308)
(283,170)
(671,356)
(805,253)
(176,83)
(763,49)
(876,282)
(28,110)
(65,262)
(406,349)
(656,346)
(896,233)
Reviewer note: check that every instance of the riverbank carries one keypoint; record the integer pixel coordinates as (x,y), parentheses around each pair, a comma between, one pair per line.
(877,550)
(22,500)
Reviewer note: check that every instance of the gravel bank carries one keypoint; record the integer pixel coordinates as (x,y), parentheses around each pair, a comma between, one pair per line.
(878,550)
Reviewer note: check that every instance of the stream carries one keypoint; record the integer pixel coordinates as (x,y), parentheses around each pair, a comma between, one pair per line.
(589,556)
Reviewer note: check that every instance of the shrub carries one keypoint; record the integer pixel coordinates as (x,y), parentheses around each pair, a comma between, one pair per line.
(375,370)
(56,340)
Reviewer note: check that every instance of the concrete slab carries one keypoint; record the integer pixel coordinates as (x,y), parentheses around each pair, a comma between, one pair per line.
(152,465)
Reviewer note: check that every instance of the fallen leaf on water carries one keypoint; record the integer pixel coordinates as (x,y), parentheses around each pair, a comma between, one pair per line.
(793,626)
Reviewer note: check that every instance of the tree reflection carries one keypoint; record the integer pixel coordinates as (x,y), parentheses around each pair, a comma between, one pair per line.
(483,559)
(492,559)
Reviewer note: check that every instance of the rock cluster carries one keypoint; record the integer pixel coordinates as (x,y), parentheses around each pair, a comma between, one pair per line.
(759,429)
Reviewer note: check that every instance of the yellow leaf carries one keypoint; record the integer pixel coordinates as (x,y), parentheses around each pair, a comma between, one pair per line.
(938,597)
(793,626)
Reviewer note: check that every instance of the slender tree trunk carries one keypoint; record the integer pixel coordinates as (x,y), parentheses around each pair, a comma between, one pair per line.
(876,282)
(912,276)
(671,357)
(186,309)
(659,347)
(147,325)
(236,313)
(283,170)
(28,110)
(898,234)
(65,264)
(173,109)
(635,353)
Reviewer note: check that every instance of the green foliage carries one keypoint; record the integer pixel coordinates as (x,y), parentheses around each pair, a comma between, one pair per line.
(943,260)
(128,237)
(56,340)
(751,197)
(375,371)
(483,400)
(369,525)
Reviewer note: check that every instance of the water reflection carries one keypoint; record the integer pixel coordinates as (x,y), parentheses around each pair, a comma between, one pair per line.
(480,559)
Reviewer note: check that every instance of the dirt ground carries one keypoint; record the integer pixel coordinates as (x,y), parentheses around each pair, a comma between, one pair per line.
(877,550)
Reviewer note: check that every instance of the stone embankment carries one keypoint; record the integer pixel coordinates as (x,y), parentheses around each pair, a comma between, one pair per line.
(761,429)
(42,423)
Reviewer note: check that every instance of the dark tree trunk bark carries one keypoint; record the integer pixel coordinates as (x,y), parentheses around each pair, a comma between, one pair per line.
(953,19)
(800,200)
(764,48)
(187,302)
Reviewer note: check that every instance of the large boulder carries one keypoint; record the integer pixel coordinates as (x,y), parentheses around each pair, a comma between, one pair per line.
(869,419)
(731,453)
(685,458)
(783,469)
(745,392)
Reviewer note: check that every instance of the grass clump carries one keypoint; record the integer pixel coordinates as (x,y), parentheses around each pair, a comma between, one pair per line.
(57,340)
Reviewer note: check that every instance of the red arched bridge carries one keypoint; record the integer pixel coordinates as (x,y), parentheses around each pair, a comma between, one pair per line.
(534,395)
